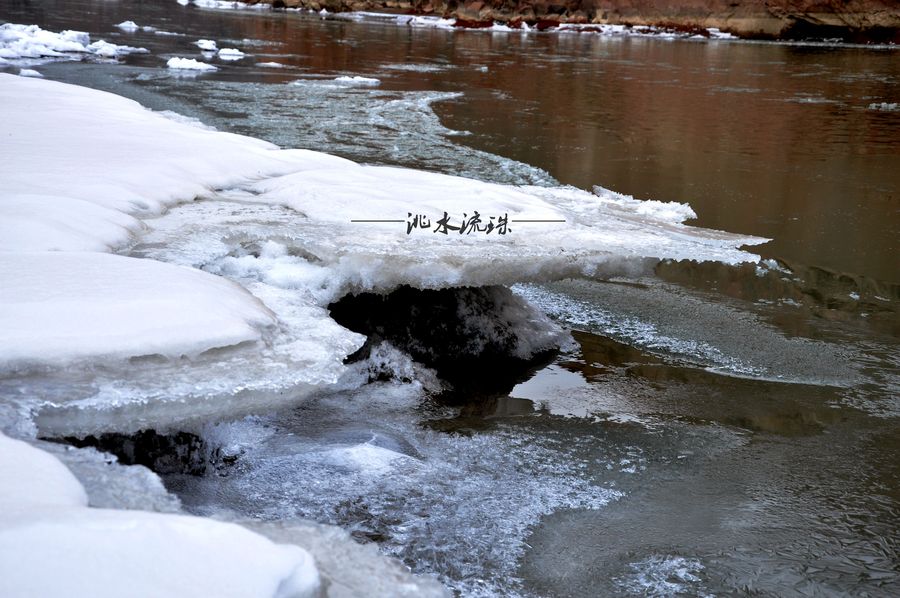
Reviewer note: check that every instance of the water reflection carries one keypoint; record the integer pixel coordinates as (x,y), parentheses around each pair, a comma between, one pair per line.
(771,140)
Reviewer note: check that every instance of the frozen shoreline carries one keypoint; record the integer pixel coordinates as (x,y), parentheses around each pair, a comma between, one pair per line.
(236,250)
(278,222)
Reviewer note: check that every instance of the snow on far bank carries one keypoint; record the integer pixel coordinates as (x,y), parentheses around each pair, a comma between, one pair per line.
(18,42)
(52,544)
(189,64)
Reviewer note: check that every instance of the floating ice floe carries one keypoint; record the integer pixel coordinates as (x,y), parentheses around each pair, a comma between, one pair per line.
(357,80)
(271,65)
(206,45)
(230,54)
(29,73)
(189,64)
(294,228)
(19,42)
(129,26)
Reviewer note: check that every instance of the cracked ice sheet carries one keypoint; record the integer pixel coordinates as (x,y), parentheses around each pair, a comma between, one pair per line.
(282,230)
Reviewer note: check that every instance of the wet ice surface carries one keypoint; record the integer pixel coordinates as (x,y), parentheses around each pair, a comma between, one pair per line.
(456,505)
(665,320)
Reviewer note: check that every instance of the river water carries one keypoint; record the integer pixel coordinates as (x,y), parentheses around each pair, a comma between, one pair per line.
(713,430)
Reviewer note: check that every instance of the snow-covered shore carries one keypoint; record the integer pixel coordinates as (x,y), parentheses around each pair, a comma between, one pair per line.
(86,171)
(53,544)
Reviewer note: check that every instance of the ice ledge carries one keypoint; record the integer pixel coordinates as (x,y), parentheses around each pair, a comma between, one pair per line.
(283,224)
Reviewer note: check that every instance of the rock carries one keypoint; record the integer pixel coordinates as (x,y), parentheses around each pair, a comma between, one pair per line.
(851,20)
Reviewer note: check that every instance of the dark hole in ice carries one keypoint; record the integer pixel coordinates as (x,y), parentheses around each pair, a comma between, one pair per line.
(176,452)
(471,336)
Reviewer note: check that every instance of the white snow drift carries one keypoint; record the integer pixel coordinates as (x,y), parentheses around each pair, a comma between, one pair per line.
(66,306)
(53,545)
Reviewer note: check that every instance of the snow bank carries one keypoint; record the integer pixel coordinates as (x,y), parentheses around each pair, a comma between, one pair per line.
(60,307)
(51,544)
(109,143)
(19,42)
(189,64)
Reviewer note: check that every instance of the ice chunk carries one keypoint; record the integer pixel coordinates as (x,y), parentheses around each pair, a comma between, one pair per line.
(110,485)
(271,65)
(207,45)
(129,26)
(189,64)
(231,54)
(347,567)
(44,522)
(29,73)
(108,50)
(32,42)
(58,307)
(357,80)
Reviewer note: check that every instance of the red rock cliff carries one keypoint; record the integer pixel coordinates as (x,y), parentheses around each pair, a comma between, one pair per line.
(855,20)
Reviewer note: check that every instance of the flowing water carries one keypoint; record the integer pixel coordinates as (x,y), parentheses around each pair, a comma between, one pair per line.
(712,430)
